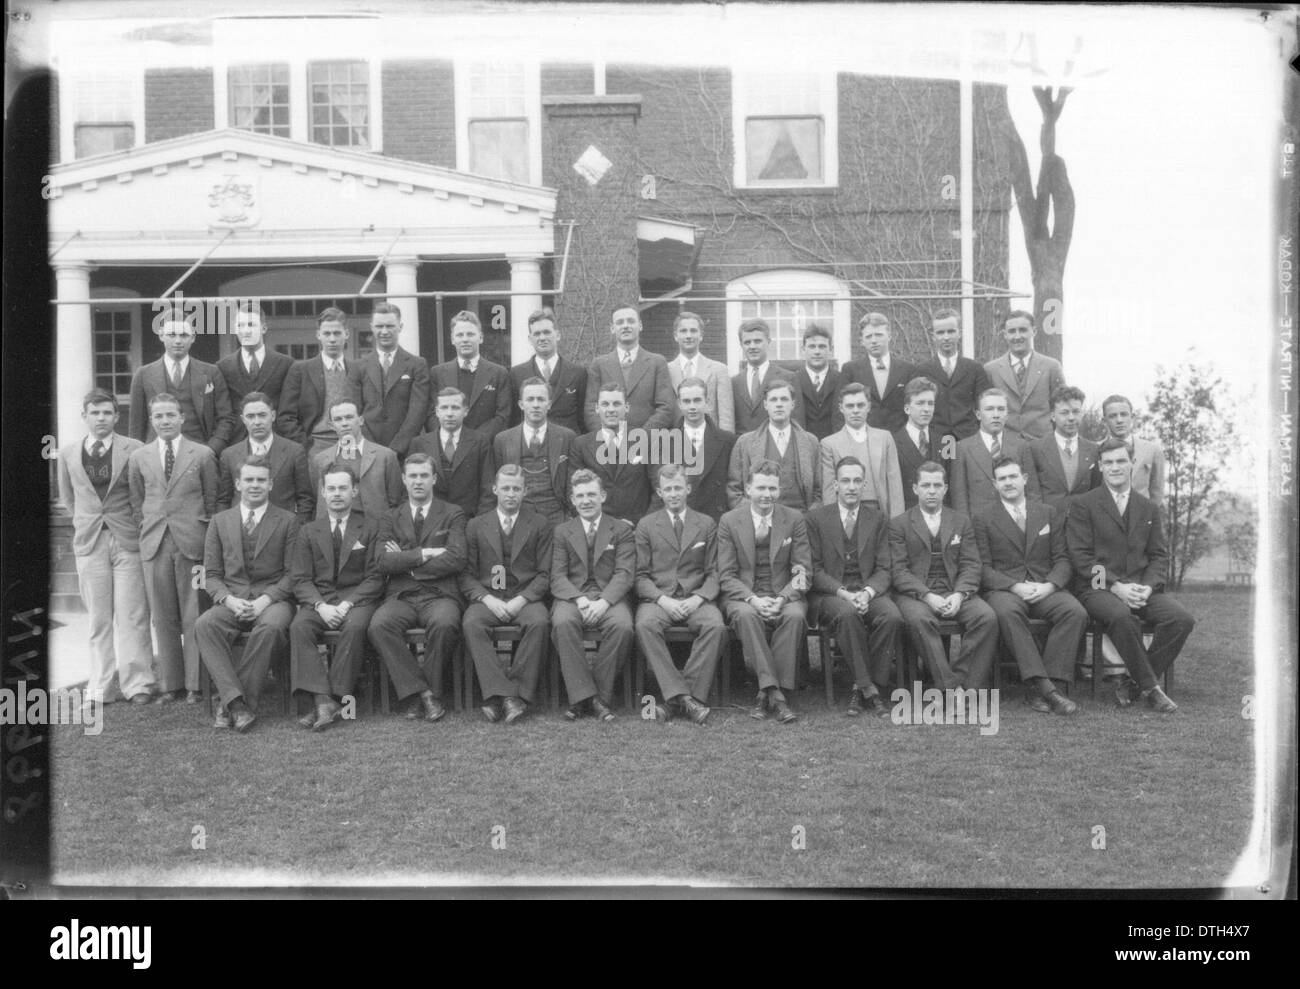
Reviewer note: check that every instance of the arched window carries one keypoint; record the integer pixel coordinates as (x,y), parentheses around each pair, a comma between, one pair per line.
(789,300)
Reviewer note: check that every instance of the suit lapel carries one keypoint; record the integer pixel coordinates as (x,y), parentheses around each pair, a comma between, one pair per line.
(1007,524)
(183,454)
(638,369)
(923,530)
(776,537)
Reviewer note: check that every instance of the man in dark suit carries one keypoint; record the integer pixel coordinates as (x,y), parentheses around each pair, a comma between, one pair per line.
(593,560)
(850,565)
(919,440)
(248,558)
(959,381)
(378,472)
(643,375)
(676,580)
(935,571)
(254,366)
(423,542)
(394,385)
(973,492)
(817,404)
(198,387)
(883,374)
(542,449)
(1027,377)
(1063,462)
(1117,546)
(505,581)
(1026,574)
(749,387)
(487,384)
(706,450)
(313,386)
(462,457)
(617,456)
(173,485)
(568,381)
(337,582)
(764,567)
(291,487)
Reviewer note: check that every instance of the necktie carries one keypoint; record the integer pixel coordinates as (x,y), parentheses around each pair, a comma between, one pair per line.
(925,440)
(689,370)
(817,382)
(249,524)
(995,450)
(176,377)
(1071,469)
(1019,516)
(880,364)
(419,522)
(507,524)
(169,462)
(535,444)
(948,363)
(338,546)
(850,522)
(97,449)
(761,530)
(932,522)
(627,358)
(591,534)
(253,364)
(449,451)
(753,386)
(546,370)
(1021,367)
(466,366)
(1069,448)
(690,440)
(386,362)
(1121,502)
(780,442)
(677,530)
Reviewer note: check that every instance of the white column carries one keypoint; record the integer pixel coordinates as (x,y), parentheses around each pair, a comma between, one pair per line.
(74,349)
(399,274)
(525,276)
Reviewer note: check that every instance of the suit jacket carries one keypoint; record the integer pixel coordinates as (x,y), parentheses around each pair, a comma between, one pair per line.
(751,415)
(909,552)
(1148,470)
(972,489)
(910,458)
(1049,471)
(614,554)
(269,381)
(568,392)
(752,447)
(394,415)
(1029,410)
(826,540)
(708,478)
(787,547)
(651,400)
(1009,556)
(269,572)
(214,423)
(628,486)
(957,398)
(1130,548)
(407,570)
(529,563)
(302,403)
(378,472)
(359,580)
(884,482)
(886,411)
(718,393)
(508,448)
(468,484)
(291,478)
(664,568)
(89,513)
(182,505)
(488,411)
(818,411)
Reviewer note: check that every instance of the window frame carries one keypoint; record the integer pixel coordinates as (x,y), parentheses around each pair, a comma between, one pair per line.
(792,285)
(828,97)
(70,83)
(532,114)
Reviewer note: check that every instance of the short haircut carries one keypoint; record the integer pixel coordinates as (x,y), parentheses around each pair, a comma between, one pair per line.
(849,462)
(164,398)
(1112,443)
(684,315)
(939,314)
(340,467)
(174,315)
(1066,393)
(1114,399)
(816,330)
(386,307)
(252,308)
(449,392)
(418,458)
(918,385)
(1005,461)
(465,316)
(774,384)
(693,383)
(755,326)
(1018,314)
(332,315)
(768,468)
(668,471)
(611,386)
(538,315)
(584,476)
(97,396)
(533,382)
(256,396)
(873,319)
(987,392)
(634,309)
(508,470)
(930,467)
(329,413)
(253,460)
(855,388)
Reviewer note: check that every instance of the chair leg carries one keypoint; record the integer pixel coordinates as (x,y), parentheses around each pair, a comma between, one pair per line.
(1096,657)
(826,648)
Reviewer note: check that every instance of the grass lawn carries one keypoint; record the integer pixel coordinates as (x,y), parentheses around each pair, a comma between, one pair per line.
(386,801)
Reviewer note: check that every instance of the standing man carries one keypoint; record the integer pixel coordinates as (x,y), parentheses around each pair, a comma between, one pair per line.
(248,557)
(764,563)
(506,581)
(379,476)
(337,582)
(423,552)
(622,468)
(690,363)
(313,386)
(487,384)
(593,560)
(1027,377)
(676,580)
(568,381)
(173,484)
(94,488)
(542,449)
(850,565)
(644,376)
(254,366)
(1148,459)
(199,388)
(291,485)
(394,385)
(935,571)
(783,442)
(1026,574)
(959,382)
(973,491)
(706,450)
(817,406)
(884,375)
(749,387)
(873,448)
(919,440)
(462,457)
(1063,462)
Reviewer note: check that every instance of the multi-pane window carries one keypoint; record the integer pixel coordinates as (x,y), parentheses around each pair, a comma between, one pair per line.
(104,109)
(788,320)
(259,98)
(339,103)
(789,301)
(785,129)
(112,343)
(298,351)
(497,120)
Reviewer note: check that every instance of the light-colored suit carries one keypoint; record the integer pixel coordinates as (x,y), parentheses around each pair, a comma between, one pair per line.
(722,406)
(380,477)
(884,483)
(1149,470)
(1029,409)
(752,447)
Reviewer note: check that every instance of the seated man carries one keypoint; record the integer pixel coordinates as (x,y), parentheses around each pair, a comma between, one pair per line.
(1025,574)
(506,581)
(338,584)
(1117,546)
(248,558)
(935,569)
(676,580)
(850,565)
(763,567)
(593,559)
(423,552)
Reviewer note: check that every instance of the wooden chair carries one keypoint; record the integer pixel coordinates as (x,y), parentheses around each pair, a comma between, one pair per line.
(415,641)
(1097,630)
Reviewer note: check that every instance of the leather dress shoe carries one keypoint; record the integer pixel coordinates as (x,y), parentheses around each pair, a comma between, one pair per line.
(784,716)
(433,709)
(663,713)
(1159,701)
(1037,702)
(492,710)
(222,719)
(697,712)
(326,715)
(1061,704)
(1125,688)
(166,697)
(308,720)
(193,697)
(875,705)
(413,712)
(244,720)
(142,698)
(575,711)
(515,708)
(601,710)
(855,704)
(759,711)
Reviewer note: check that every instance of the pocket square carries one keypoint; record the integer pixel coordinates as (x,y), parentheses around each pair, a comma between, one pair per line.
(208,390)
(489,387)
(956,539)
(571,391)
(698,545)
(788,541)
(1045,530)
(358,545)
(405,377)
(607,549)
